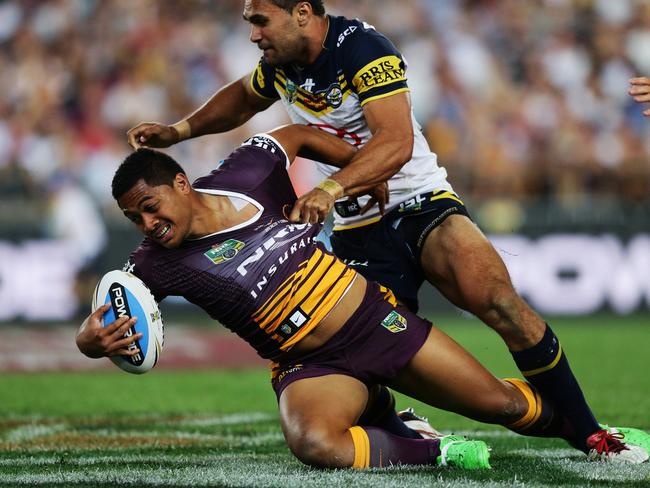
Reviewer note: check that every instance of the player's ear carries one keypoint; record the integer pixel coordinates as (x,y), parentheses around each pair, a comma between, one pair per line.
(182,183)
(303,10)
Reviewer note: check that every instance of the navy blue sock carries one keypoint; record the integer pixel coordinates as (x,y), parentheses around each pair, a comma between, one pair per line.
(545,366)
(381,413)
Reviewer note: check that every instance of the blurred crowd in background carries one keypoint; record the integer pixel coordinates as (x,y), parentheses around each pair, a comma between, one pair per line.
(525,103)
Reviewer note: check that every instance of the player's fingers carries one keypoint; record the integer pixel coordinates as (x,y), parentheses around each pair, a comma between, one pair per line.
(639,89)
(646,113)
(382,205)
(642,98)
(115,326)
(126,342)
(125,352)
(124,328)
(100,311)
(122,348)
(134,133)
(314,216)
(294,216)
(133,140)
(147,133)
(369,204)
(640,80)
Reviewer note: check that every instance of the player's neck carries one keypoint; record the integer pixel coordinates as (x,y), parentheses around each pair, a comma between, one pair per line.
(216,213)
(317,39)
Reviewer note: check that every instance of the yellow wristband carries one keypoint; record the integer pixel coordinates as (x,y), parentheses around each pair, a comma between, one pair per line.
(332,187)
(183,129)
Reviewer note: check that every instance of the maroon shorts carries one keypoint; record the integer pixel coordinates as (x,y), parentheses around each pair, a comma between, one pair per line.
(372,346)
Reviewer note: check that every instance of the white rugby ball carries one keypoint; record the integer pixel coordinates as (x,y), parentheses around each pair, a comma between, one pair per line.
(130,297)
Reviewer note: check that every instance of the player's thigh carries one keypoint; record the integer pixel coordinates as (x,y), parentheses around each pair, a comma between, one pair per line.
(379,253)
(316,414)
(463,264)
(444,375)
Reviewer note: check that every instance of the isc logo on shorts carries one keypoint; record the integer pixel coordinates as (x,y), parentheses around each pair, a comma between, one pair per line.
(394,322)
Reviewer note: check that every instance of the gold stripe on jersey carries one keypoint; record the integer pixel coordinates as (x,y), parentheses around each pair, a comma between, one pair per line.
(380,72)
(316,289)
(385,95)
(273,302)
(389,296)
(443,194)
(259,76)
(316,268)
(358,224)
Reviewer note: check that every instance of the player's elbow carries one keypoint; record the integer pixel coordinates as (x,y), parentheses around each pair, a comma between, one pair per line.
(406,149)
(402,149)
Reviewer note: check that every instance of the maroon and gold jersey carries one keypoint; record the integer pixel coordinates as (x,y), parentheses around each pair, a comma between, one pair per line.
(267,280)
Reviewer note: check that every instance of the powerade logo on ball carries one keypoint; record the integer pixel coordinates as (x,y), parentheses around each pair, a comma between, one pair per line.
(120,307)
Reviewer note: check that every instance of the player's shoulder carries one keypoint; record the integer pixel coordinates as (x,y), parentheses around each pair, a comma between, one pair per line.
(260,152)
(248,166)
(355,36)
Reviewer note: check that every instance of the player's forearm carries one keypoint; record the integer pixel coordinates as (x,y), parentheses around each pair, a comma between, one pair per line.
(382,157)
(228,108)
(325,148)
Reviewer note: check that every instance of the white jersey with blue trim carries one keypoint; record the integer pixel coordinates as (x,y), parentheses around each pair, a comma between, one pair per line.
(356,65)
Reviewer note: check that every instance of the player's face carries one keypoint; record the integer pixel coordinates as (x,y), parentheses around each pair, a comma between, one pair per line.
(162,212)
(276,32)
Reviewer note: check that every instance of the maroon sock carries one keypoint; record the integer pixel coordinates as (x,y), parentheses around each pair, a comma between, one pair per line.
(381,413)
(375,447)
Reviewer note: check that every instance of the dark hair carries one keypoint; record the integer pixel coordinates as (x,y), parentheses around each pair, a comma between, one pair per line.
(154,167)
(288,5)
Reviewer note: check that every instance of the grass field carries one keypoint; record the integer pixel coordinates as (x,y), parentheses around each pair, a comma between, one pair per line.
(220,428)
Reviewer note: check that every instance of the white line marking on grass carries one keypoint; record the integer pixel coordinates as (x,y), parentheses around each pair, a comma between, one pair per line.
(550,453)
(233,419)
(31,431)
(243,440)
(486,433)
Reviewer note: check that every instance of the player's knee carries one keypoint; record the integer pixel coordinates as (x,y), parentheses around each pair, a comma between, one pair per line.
(502,301)
(317,447)
(504,405)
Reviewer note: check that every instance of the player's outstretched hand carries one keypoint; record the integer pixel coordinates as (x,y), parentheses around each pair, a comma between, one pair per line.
(640,91)
(152,134)
(96,341)
(312,207)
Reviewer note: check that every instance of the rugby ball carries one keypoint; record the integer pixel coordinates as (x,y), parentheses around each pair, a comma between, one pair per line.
(130,297)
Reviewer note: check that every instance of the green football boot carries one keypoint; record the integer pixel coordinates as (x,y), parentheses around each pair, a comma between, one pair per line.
(457,451)
(634,437)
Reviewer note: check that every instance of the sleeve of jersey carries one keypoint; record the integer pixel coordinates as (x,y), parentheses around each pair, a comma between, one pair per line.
(271,146)
(375,66)
(263,81)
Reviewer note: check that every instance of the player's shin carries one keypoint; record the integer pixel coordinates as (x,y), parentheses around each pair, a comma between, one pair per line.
(545,366)
(541,418)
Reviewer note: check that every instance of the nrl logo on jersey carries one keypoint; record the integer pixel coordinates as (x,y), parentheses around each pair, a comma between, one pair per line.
(292,91)
(224,251)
